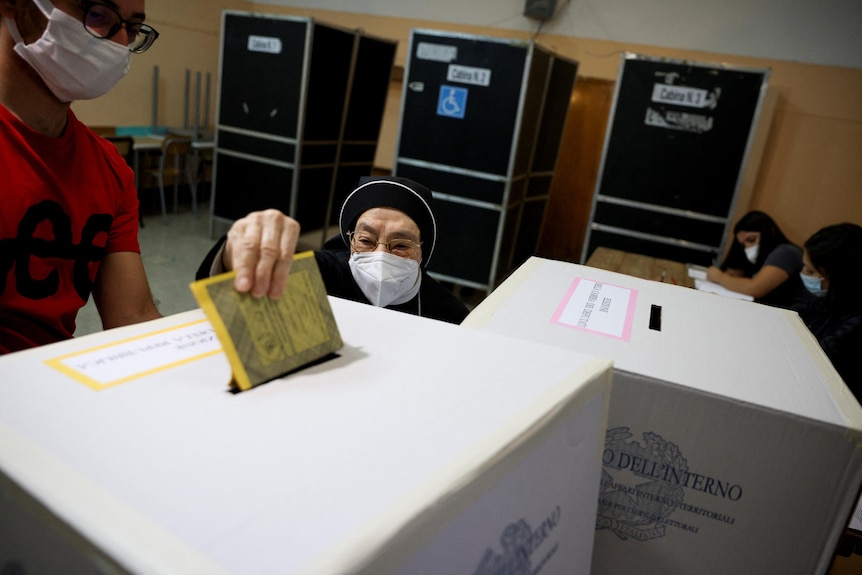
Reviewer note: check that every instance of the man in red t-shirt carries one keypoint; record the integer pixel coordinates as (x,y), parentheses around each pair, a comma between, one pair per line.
(68,221)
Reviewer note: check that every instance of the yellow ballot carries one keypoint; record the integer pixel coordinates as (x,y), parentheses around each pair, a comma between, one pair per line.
(265,338)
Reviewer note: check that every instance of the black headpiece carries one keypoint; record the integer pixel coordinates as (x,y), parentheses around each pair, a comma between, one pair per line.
(392,192)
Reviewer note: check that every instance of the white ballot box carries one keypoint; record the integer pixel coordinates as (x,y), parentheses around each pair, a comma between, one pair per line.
(732,445)
(421,447)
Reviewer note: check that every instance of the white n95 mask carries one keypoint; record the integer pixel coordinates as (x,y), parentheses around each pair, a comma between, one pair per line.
(751,253)
(384,278)
(74,64)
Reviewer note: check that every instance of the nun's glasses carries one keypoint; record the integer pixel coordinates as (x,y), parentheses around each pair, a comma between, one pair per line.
(365,242)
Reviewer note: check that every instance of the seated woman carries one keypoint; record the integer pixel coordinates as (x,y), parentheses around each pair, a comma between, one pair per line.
(762,263)
(833,271)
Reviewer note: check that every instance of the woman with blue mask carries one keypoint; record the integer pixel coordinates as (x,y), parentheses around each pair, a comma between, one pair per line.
(833,270)
(812,279)
(762,263)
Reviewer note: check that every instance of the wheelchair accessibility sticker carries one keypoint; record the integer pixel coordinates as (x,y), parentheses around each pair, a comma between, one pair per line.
(452,102)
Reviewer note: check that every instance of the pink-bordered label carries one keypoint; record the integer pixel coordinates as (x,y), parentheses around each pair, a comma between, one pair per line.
(598,307)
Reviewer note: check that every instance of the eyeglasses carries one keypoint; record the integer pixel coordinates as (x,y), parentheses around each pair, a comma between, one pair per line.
(104,22)
(365,242)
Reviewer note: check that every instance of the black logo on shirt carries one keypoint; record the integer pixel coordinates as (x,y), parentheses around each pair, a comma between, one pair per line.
(18,251)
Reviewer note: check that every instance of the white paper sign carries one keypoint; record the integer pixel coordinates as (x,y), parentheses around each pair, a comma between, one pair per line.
(436,52)
(264,44)
(598,307)
(682,96)
(469,75)
(122,361)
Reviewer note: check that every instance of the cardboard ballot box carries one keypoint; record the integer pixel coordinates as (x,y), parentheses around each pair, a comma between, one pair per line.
(732,444)
(421,448)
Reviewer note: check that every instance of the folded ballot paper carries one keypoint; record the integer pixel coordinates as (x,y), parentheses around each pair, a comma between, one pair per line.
(265,338)
(698,274)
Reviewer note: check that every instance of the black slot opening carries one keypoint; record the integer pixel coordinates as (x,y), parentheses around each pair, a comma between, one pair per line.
(655,317)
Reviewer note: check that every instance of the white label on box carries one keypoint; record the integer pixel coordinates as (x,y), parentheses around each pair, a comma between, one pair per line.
(264,44)
(119,362)
(469,75)
(436,52)
(682,96)
(676,120)
(598,307)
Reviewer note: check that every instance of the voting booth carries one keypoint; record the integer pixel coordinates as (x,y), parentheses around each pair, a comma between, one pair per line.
(481,121)
(421,447)
(732,446)
(300,104)
(676,147)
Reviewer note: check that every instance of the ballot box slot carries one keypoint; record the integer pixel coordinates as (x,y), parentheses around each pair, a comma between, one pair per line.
(655,317)
(234,389)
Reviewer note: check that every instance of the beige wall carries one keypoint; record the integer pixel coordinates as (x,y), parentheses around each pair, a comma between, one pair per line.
(189,34)
(809,173)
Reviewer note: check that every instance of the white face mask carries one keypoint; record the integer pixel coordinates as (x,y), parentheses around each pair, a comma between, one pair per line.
(384,278)
(73,64)
(751,253)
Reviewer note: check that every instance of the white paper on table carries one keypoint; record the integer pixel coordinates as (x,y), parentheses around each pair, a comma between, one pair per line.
(697,273)
(711,287)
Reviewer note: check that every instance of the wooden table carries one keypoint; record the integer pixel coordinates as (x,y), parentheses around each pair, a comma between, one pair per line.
(641,266)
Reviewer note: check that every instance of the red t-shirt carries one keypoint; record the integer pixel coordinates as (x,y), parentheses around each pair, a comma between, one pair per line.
(64,203)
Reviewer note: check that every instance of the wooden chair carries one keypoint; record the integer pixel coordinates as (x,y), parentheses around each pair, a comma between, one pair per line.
(104,131)
(174,165)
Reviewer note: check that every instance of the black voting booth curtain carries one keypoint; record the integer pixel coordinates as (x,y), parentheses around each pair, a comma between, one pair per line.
(677,144)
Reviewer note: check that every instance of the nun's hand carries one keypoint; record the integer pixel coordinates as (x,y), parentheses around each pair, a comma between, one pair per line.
(260,248)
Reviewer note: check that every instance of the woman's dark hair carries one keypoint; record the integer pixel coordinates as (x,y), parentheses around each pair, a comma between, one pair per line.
(836,252)
(771,237)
